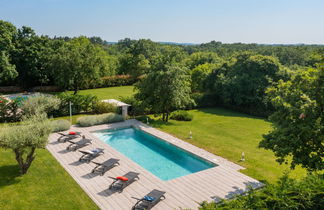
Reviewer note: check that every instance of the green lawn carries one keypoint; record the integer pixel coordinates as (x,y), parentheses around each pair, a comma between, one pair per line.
(110,92)
(228,134)
(220,131)
(45,186)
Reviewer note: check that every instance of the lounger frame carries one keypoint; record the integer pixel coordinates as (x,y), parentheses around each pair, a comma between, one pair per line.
(102,168)
(119,185)
(88,156)
(79,144)
(142,204)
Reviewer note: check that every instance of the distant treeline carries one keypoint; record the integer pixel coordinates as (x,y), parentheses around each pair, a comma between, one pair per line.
(235,75)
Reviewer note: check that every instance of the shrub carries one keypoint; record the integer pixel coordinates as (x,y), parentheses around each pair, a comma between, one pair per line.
(137,108)
(60,125)
(144,118)
(9,110)
(181,115)
(41,103)
(118,80)
(99,119)
(286,194)
(80,103)
(102,107)
(46,89)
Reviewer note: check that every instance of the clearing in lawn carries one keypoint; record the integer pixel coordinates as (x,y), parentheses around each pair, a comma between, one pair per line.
(228,134)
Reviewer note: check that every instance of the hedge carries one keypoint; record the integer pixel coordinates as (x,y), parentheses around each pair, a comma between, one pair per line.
(99,119)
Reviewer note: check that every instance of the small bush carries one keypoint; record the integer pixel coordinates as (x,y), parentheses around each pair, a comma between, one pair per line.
(102,107)
(9,110)
(41,103)
(46,89)
(60,125)
(99,119)
(181,115)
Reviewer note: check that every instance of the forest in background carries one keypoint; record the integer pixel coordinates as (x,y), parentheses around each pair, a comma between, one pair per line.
(235,75)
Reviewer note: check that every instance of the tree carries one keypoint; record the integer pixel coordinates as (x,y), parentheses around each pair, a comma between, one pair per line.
(134,65)
(8,33)
(78,63)
(298,120)
(199,75)
(242,81)
(199,58)
(32,56)
(25,138)
(168,56)
(165,91)
(7,71)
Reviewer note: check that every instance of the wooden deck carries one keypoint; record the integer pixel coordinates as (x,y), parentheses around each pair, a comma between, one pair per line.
(222,181)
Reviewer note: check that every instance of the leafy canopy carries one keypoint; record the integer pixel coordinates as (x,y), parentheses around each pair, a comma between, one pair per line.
(25,137)
(165,91)
(298,120)
(77,63)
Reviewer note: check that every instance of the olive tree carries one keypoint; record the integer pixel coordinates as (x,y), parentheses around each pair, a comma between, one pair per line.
(24,138)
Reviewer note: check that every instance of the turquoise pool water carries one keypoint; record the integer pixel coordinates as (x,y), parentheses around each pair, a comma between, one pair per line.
(162,159)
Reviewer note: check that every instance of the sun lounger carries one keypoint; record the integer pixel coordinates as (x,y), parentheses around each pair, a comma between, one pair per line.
(69,136)
(120,183)
(102,168)
(79,144)
(149,200)
(90,154)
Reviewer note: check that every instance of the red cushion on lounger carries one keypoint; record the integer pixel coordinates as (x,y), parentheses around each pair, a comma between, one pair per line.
(122,178)
(72,133)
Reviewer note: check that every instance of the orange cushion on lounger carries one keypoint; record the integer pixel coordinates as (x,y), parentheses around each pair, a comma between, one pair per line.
(122,178)
(72,133)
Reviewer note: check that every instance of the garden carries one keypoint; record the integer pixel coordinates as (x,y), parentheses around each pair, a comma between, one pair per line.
(249,104)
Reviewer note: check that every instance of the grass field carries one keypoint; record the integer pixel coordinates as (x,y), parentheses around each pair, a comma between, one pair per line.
(220,131)
(110,92)
(228,134)
(45,186)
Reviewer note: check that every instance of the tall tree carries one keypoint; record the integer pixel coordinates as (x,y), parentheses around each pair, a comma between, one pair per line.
(8,33)
(242,81)
(165,91)
(78,63)
(7,71)
(298,120)
(32,57)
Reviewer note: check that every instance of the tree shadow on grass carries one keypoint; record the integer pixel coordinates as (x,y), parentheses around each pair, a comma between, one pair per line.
(220,111)
(157,123)
(9,175)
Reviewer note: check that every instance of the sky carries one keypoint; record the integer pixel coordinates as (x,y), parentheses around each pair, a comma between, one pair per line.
(183,21)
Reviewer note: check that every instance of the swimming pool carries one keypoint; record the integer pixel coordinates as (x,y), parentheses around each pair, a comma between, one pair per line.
(159,157)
